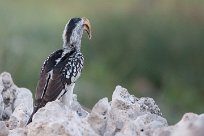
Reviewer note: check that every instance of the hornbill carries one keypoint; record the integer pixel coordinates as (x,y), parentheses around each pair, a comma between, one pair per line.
(63,67)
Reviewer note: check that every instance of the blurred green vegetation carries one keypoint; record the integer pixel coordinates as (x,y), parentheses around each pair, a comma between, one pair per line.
(153,48)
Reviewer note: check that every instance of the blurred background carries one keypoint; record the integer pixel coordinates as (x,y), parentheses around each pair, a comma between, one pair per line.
(154,48)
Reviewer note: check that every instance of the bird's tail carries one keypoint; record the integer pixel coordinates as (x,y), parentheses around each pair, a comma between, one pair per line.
(31,116)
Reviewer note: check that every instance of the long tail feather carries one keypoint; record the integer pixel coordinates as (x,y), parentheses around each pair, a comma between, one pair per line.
(31,116)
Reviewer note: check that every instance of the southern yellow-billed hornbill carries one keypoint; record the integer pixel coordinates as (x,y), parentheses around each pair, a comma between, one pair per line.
(63,67)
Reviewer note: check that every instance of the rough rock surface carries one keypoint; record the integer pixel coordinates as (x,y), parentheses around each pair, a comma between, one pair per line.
(190,125)
(16,104)
(129,115)
(124,115)
(57,119)
(3,129)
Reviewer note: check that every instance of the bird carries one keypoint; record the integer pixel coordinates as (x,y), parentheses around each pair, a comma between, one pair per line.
(63,67)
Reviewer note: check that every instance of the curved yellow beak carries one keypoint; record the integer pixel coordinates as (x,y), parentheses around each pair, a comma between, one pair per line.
(87,27)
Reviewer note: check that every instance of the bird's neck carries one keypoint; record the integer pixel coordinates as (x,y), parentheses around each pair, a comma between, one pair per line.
(67,49)
(70,52)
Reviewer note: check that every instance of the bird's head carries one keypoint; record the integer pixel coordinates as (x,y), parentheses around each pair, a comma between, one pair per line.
(73,32)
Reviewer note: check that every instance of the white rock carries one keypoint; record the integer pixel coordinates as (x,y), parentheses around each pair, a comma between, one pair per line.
(18,132)
(8,90)
(23,107)
(1,107)
(6,80)
(99,115)
(122,94)
(147,123)
(3,129)
(16,103)
(165,131)
(1,83)
(19,117)
(131,116)
(7,112)
(125,115)
(148,105)
(190,125)
(1,86)
(57,119)
(77,107)
(24,97)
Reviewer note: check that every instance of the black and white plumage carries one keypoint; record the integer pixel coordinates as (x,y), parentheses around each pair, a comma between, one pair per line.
(63,67)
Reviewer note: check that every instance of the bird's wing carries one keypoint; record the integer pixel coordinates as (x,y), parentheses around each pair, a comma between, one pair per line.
(67,71)
(47,67)
(55,85)
(58,78)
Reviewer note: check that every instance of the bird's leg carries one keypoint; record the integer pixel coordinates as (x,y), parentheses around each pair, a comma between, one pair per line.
(67,97)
